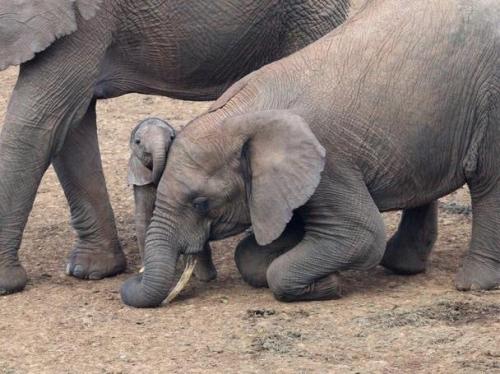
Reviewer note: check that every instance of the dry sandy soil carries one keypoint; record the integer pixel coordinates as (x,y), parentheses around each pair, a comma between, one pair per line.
(385,323)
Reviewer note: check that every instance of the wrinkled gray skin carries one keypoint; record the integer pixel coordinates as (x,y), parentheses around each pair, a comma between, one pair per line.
(93,49)
(149,144)
(394,109)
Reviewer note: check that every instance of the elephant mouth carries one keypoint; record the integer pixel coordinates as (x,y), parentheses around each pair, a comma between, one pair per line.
(233,229)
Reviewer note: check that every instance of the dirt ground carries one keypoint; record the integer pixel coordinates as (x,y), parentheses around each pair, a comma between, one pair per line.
(385,323)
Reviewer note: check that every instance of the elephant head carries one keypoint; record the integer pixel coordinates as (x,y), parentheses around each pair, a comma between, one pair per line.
(149,143)
(222,177)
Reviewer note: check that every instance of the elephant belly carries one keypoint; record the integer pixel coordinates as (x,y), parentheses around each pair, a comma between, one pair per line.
(118,79)
(408,187)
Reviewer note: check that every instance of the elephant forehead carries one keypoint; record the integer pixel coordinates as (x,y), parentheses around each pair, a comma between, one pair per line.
(193,181)
(207,156)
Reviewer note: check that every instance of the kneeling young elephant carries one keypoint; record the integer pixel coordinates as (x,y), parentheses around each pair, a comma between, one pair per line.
(396,108)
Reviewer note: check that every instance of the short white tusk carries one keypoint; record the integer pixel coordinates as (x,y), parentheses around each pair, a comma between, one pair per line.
(183,280)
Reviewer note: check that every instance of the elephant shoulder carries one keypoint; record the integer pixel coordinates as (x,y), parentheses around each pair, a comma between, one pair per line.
(30,26)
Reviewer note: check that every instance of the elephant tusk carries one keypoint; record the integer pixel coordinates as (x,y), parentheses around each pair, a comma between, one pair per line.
(183,280)
(141,270)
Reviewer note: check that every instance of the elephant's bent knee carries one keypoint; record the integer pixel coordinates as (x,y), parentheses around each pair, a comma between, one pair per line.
(283,288)
(371,259)
(247,261)
(371,251)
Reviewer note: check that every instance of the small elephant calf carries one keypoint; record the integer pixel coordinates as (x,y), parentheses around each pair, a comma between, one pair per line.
(149,144)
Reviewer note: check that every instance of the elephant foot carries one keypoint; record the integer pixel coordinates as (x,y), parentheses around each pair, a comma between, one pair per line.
(405,257)
(409,248)
(478,274)
(205,272)
(87,262)
(12,279)
(326,288)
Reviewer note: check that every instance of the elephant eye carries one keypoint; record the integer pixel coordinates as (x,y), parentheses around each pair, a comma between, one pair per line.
(137,141)
(200,204)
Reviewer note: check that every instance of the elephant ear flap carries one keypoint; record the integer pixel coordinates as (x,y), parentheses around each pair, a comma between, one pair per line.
(30,26)
(88,8)
(138,173)
(284,164)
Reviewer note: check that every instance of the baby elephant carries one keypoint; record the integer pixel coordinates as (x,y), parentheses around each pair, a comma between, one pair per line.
(149,144)
(393,110)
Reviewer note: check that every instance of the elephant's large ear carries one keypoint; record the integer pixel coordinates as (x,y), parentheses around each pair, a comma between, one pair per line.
(138,173)
(30,26)
(284,162)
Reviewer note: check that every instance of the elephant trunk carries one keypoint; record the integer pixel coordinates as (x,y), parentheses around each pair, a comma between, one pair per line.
(159,158)
(150,288)
(144,197)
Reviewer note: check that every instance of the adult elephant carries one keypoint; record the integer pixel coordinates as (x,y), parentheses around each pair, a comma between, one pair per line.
(74,52)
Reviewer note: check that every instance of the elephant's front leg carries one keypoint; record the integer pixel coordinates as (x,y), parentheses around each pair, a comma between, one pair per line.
(97,252)
(252,259)
(409,248)
(205,269)
(343,230)
(52,94)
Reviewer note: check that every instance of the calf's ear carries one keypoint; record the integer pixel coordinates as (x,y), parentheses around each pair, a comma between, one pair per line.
(138,173)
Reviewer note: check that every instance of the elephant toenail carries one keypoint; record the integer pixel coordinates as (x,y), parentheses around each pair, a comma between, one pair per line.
(78,271)
(95,276)
(475,287)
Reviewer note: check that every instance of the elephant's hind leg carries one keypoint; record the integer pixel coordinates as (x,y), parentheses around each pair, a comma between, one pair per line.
(97,252)
(253,259)
(409,248)
(481,266)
